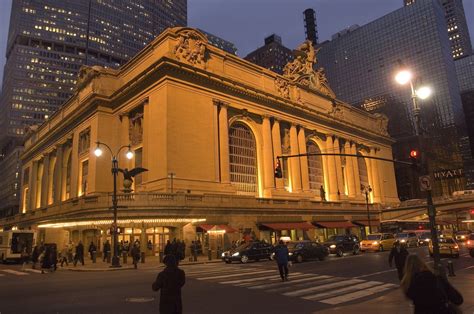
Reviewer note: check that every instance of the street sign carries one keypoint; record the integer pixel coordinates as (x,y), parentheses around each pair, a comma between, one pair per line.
(425,183)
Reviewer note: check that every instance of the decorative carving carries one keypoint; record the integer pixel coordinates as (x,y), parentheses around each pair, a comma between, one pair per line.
(337,111)
(135,127)
(283,87)
(191,48)
(301,70)
(382,123)
(285,143)
(84,140)
(86,74)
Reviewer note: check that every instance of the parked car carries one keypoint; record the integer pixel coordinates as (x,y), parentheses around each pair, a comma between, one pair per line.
(424,238)
(462,236)
(408,238)
(377,242)
(447,246)
(340,244)
(300,251)
(248,251)
(470,244)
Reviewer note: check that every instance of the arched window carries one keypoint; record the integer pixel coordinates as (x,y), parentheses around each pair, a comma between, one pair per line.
(315,167)
(363,173)
(243,159)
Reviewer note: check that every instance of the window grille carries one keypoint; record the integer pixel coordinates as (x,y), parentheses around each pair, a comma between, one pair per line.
(243,159)
(315,167)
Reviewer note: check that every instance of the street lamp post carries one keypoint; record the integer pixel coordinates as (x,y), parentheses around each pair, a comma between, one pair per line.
(115,169)
(366,189)
(423,92)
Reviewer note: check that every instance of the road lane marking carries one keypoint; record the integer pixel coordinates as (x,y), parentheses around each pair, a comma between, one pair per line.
(218,271)
(233,275)
(322,287)
(14,272)
(293,286)
(358,294)
(33,270)
(252,279)
(377,273)
(275,279)
(357,287)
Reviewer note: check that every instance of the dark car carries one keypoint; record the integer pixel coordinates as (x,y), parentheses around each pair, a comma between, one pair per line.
(424,238)
(340,244)
(300,251)
(248,251)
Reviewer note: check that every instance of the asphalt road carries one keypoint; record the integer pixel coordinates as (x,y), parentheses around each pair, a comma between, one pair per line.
(210,288)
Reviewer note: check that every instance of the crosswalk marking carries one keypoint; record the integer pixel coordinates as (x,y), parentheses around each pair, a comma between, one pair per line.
(320,280)
(234,275)
(14,272)
(203,272)
(33,270)
(358,294)
(251,279)
(276,281)
(322,287)
(332,293)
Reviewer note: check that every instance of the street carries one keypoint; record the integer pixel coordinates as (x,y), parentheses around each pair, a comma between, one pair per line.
(210,288)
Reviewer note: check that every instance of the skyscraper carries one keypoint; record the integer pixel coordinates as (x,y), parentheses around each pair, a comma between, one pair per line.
(361,64)
(273,55)
(311,28)
(50,40)
(457,27)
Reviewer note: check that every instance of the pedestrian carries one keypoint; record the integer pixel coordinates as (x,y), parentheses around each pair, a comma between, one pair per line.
(194,250)
(54,257)
(106,250)
(149,245)
(167,248)
(35,256)
(281,257)
(92,250)
(25,257)
(135,254)
(120,248)
(46,262)
(398,253)
(70,249)
(170,281)
(79,257)
(63,256)
(429,293)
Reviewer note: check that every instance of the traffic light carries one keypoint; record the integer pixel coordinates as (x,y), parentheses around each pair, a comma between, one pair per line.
(278,173)
(415,159)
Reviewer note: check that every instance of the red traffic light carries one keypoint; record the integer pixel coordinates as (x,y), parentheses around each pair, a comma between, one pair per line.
(414,153)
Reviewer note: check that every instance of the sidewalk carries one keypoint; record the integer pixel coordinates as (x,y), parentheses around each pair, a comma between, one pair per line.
(151,262)
(395,302)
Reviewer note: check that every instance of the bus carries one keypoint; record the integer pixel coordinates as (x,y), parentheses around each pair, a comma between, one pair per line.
(12,243)
(395,226)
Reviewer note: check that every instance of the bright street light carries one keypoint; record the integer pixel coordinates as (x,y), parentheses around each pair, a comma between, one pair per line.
(403,77)
(129,154)
(423,92)
(98,151)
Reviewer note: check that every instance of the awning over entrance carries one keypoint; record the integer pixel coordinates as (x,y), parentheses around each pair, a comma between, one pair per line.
(374,222)
(222,228)
(288,225)
(334,224)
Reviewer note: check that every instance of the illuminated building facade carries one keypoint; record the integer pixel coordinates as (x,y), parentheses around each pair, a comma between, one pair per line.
(50,40)
(217,122)
(417,36)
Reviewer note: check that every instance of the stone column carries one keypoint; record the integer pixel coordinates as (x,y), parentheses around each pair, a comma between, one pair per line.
(295,167)
(340,177)
(224,143)
(268,164)
(75,165)
(331,163)
(276,137)
(45,180)
(374,169)
(58,174)
(355,165)
(33,186)
(350,170)
(146,134)
(303,160)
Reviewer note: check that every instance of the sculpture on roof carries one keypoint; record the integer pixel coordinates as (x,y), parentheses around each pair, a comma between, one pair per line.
(191,47)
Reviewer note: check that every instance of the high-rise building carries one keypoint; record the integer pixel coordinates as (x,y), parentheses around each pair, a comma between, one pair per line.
(273,55)
(457,27)
(219,42)
(361,64)
(50,40)
(311,28)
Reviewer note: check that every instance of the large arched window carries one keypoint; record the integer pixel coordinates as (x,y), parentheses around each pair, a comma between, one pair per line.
(243,159)
(363,173)
(315,167)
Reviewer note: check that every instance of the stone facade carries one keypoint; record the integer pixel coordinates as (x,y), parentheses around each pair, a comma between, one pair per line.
(208,127)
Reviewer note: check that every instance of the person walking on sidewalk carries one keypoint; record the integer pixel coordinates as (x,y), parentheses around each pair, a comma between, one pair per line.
(63,256)
(136,254)
(35,256)
(281,257)
(430,294)
(79,254)
(106,250)
(399,253)
(170,281)
(25,257)
(92,250)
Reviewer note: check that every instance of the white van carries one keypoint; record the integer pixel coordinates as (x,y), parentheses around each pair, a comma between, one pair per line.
(12,243)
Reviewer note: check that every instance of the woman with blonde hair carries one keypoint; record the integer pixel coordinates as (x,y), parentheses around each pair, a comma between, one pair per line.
(430,294)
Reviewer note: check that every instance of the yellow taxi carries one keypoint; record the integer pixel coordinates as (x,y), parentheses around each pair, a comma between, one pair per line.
(377,242)
(447,246)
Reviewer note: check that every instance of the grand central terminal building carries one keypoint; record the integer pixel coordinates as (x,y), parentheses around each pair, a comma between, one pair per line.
(208,126)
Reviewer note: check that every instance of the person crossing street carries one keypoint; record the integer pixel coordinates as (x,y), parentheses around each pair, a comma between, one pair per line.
(398,253)
(281,257)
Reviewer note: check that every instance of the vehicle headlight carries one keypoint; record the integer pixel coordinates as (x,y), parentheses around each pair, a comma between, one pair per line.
(463,237)
(403,240)
(375,243)
(236,254)
(456,247)
(332,246)
(290,253)
(427,240)
(223,254)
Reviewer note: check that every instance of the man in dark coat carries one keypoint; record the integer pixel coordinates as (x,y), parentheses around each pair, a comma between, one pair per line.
(92,249)
(167,248)
(281,257)
(79,254)
(136,254)
(106,250)
(170,281)
(399,253)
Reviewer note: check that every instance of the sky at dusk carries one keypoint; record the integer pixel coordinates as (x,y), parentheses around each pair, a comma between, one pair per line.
(247,22)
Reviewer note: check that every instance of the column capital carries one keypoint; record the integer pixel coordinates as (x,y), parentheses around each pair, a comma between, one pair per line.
(266,116)
(221,103)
